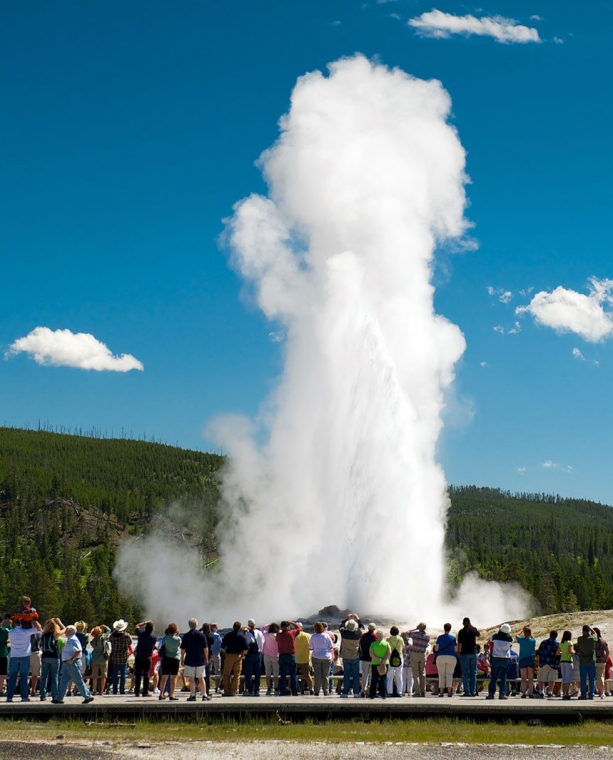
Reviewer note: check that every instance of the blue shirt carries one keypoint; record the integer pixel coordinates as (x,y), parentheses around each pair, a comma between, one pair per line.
(216,648)
(547,653)
(526,647)
(446,645)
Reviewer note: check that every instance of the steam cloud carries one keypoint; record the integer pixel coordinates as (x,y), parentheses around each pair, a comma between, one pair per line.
(344,502)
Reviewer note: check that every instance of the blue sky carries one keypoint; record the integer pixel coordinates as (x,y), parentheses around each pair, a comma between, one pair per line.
(129,130)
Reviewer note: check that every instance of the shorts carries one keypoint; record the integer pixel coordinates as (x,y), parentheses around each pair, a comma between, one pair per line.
(271,666)
(215,664)
(547,674)
(35,664)
(169,666)
(99,669)
(191,671)
(526,662)
(4,661)
(567,671)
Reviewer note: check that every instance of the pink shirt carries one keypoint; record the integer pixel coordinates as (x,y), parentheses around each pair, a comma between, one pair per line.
(270,648)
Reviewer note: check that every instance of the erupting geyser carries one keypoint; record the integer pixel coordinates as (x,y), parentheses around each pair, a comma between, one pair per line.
(344,501)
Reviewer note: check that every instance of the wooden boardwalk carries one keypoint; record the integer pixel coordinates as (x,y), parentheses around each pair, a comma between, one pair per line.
(302,707)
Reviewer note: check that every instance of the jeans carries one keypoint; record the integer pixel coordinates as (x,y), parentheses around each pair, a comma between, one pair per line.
(118,673)
(50,669)
(71,671)
(469,673)
(500,668)
(21,666)
(287,667)
(351,676)
(142,666)
(587,673)
(252,668)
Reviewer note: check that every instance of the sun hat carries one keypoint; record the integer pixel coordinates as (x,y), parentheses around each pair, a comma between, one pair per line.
(505,628)
(351,625)
(120,625)
(421,626)
(251,622)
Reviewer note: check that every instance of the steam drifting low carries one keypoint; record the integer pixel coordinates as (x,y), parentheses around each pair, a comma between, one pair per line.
(344,502)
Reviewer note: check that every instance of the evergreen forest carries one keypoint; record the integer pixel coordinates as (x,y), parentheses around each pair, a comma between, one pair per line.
(67,501)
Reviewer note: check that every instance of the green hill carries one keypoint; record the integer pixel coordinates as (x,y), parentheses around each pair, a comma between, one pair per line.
(66,501)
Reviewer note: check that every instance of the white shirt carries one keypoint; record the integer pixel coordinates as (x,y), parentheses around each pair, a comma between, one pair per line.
(258,636)
(21,641)
(71,647)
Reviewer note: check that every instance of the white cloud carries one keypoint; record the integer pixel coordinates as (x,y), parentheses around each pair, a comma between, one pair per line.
(521,470)
(558,40)
(504,296)
(484,364)
(499,329)
(435,23)
(276,337)
(568,311)
(549,465)
(63,348)
(578,355)
(515,329)
(536,17)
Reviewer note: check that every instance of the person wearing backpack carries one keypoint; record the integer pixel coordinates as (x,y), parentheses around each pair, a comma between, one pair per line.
(50,658)
(445,649)
(395,662)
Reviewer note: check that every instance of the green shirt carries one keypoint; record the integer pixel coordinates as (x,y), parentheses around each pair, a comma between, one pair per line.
(172,644)
(586,649)
(4,637)
(379,651)
(565,648)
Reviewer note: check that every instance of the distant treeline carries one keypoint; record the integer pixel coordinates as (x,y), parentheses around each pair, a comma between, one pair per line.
(67,500)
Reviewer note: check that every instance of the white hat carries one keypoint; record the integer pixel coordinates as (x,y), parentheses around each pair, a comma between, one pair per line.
(505,628)
(351,625)
(120,625)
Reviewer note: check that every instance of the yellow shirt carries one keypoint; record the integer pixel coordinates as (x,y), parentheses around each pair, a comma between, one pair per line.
(302,647)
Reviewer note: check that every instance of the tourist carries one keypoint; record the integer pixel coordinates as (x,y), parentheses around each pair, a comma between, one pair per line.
(366,639)
(20,639)
(146,644)
(602,654)
(101,650)
(527,649)
(121,646)
(548,664)
(395,663)
(321,646)
(286,641)
(565,653)
(303,658)
(380,652)
(50,658)
(407,673)
(501,643)
(83,637)
(216,669)
(194,657)
(467,649)
(234,645)
(586,649)
(4,651)
(350,654)
(271,658)
(170,650)
(252,664)
(421,641)
(35,662)
(72,654)
(445,649)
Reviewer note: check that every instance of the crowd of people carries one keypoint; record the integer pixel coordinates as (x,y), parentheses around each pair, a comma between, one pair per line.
(358,659)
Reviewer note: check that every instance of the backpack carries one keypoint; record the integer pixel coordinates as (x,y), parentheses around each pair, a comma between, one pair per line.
(49,645)
(395,658)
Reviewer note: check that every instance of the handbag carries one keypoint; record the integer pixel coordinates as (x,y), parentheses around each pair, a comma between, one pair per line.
(381,669)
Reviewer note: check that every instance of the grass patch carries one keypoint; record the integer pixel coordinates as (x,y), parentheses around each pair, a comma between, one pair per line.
(429,730)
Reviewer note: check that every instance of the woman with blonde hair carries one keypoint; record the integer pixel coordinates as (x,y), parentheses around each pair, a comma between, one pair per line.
(50,657)
(100,658)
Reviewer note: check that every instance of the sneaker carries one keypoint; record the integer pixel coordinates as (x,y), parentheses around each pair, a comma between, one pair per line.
(162,696)
(27,699)
(490,696)
(268,692)
(55,701)
(502,696)
(173,699)
(344,696)
(87,700)
(567,697)
(191,698)
(206,697)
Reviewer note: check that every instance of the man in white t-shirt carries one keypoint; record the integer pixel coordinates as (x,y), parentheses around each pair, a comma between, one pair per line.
(20,639)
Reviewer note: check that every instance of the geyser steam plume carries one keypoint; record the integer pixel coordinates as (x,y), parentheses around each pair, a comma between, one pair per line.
(344,502)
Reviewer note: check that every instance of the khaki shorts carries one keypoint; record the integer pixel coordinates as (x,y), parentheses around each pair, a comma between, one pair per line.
(189,671)
(100,669)
(35,664)
(271,666)
(547,674)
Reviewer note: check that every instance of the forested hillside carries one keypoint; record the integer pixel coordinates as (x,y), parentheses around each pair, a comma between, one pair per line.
(66,502)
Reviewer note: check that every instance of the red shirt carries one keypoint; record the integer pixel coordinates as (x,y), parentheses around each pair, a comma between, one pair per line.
(286,640)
